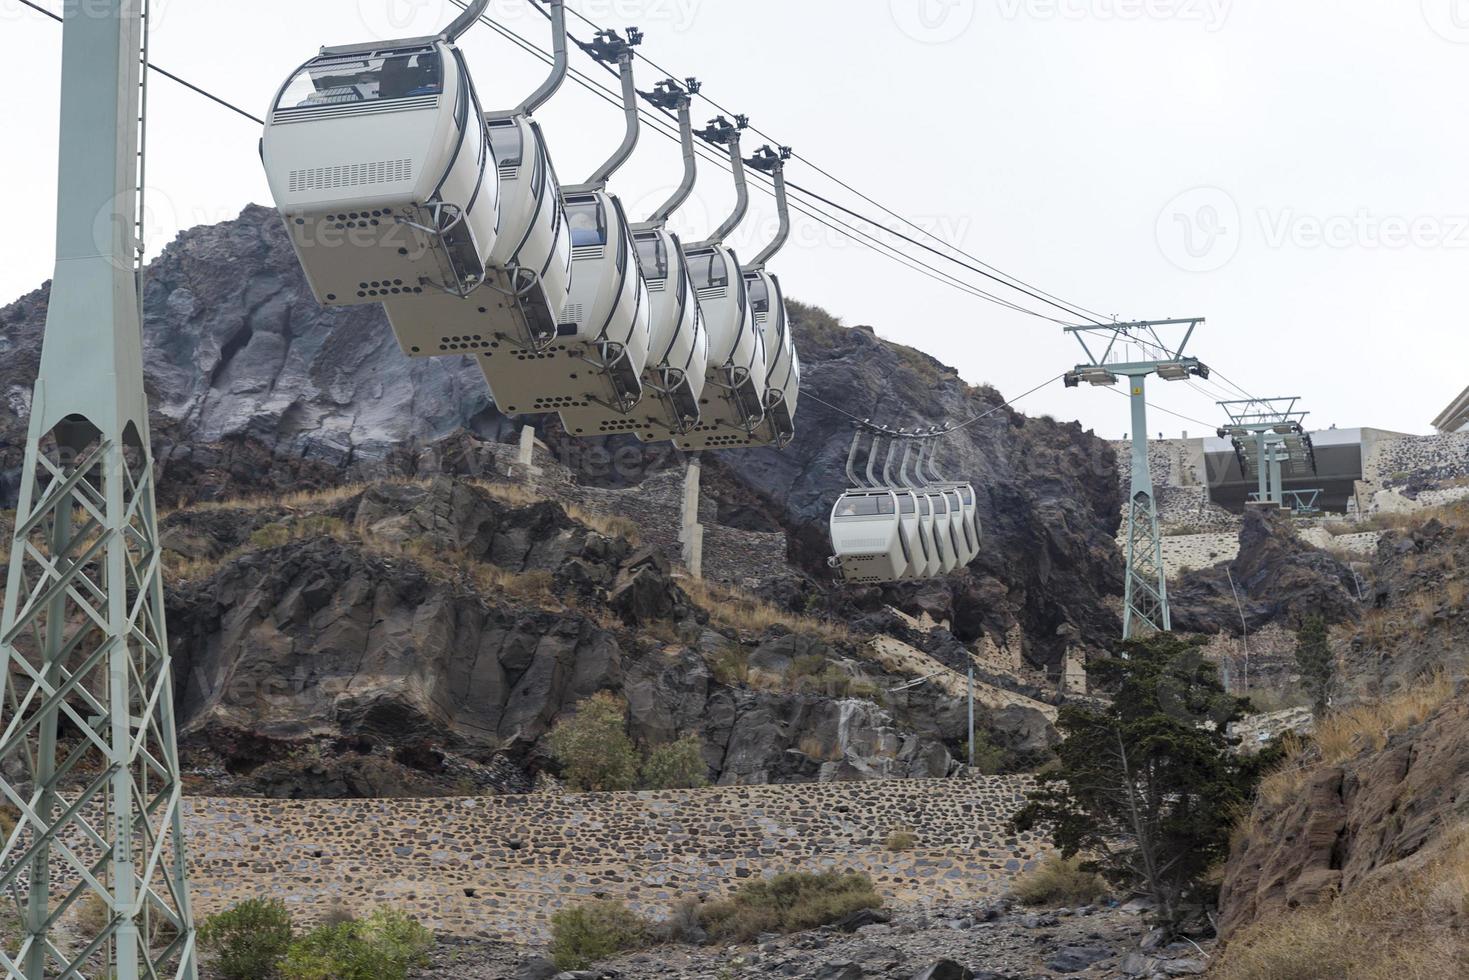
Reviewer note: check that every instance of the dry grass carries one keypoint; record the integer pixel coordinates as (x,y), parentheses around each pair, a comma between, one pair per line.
(611,525)
(741,611)
(900,840)
(1413,926)
(299,500)
(1346,734)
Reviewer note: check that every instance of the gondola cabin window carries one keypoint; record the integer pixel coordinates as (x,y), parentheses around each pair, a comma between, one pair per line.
(507,144)
(401,75)
(588,222)
(875,506)
(759,294)
(709,270)
(652,257)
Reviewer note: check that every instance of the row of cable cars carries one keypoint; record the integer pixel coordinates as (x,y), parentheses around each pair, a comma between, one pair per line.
(398,188)
(916,525)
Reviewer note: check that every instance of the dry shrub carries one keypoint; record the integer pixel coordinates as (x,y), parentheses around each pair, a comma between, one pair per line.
(740,611)
(1410,926)
(1280,786)
(1059,881)
(588,933)
(901,839)
(731,666)
(787,903)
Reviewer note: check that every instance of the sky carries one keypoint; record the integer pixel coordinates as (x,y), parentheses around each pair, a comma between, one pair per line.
(1292,171)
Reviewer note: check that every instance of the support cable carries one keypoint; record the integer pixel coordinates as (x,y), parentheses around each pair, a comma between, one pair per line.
(166,74)
(1014,281)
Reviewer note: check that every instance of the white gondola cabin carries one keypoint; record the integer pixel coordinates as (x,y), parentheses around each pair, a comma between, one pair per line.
(377,158)
(733,404)
(528,272)
(783,376)
(867,537)
(678,355)
(601,344)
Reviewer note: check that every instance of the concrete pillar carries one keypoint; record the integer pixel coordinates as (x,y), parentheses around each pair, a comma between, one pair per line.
(691,532)
(525,470)
(1074,678)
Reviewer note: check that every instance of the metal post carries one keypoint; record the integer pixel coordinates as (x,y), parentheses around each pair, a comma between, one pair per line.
(1277,487)
(1145,604)
(971,716)
(1264,467)
(82,633)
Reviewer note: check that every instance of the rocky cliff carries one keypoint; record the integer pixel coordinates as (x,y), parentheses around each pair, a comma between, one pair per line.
(257,389)
(1277,578)
(415,638)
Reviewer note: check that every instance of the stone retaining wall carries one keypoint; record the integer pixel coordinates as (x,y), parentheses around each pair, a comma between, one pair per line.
(497,868)
(1432,458)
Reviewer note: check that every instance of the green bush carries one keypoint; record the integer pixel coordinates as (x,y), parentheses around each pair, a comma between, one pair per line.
(788,903)
(248,941)
(989,758)
(677,765)
(1060,881)
(592,746)
(583,935)
(383,946)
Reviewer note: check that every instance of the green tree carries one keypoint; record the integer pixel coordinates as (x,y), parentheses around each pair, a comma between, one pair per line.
(1314,660)
(592,746)
(677,765)
(1147,787)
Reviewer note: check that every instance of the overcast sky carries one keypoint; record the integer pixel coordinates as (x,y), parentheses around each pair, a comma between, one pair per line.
(1293,171)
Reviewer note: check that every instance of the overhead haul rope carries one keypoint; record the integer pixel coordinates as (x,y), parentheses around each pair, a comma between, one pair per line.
(937,431)
(842,228)
(1085,314)
(662,117)
(166,74)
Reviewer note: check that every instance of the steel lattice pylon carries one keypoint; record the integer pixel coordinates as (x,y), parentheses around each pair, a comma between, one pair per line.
(88,752)
(1147,579)
(1145,601)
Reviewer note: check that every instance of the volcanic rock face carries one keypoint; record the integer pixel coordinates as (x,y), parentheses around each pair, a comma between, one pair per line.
(256,388)
(1277,578)
(1351,821)
(423,631)
(1418,624)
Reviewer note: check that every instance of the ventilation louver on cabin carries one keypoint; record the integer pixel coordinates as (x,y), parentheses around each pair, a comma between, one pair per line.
(351,175)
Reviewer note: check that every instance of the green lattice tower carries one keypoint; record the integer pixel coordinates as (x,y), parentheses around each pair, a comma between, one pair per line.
(87,720)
